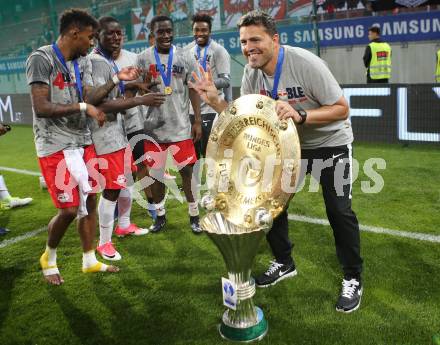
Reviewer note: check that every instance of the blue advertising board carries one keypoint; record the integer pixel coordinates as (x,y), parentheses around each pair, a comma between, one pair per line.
(13,65)
(420,26)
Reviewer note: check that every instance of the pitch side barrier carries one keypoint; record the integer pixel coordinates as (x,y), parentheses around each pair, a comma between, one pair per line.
(393,113)
(387,113)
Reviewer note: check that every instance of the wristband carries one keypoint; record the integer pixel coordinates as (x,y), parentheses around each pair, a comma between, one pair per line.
(83,107)
(115,79)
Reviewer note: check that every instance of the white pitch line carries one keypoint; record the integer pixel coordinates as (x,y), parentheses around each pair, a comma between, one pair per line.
(20,238)
(377,230)
(21,171)
(295,217)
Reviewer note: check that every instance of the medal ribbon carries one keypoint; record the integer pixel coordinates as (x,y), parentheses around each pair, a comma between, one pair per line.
(199,49)
(112,62)
(165,77)
(75,66)
(277,76)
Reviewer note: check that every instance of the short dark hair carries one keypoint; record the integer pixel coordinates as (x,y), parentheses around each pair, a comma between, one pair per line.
(103,21)
(157,19)
(76,17)
(199,17)
(258,17)
(375,29)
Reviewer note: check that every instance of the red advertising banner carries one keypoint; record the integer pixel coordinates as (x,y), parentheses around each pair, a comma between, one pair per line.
(234,9)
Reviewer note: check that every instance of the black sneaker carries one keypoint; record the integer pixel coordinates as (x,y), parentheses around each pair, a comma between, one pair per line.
(158,224)
(275,273)
(350,297)
(195,225)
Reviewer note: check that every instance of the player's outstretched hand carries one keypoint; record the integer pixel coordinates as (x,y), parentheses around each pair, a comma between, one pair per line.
(129,73)
(154,99)
(148,85)
(96,113)
(204,85)
(144,88)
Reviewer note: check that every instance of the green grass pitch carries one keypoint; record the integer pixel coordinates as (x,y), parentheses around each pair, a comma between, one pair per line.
(168,290)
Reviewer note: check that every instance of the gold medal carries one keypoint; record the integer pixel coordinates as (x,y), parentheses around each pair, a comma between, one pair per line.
(168,90)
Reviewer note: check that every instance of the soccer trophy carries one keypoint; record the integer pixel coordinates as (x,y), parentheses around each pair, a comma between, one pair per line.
(252,164)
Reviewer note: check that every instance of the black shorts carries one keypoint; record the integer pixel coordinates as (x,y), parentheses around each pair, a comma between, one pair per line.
(138,149)
(207,122)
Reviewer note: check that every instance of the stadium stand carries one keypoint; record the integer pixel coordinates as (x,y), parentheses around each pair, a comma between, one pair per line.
(33,23)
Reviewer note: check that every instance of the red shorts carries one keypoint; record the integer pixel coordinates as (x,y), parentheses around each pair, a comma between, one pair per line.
(183,153)
(61,186)
(114,167)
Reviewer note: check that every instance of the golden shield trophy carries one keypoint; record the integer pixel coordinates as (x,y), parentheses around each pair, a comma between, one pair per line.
(252,166)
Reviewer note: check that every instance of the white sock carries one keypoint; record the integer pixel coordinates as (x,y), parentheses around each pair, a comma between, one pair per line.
(4,194)
(52,256)
(106,213)
(124,207)
(89,259)
(160,208)
(193,209)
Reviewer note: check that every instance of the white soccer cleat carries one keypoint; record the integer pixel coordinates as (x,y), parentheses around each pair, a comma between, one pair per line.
(16,202)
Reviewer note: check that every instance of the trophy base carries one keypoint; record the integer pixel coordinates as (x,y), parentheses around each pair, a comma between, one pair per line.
(253,333)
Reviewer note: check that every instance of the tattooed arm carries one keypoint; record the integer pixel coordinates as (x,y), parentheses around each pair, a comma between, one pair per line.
(43,107)
(95,95)
(151,99)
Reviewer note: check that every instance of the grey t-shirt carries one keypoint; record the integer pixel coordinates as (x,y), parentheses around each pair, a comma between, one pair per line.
(67,132)
(133,118)
(307,83)
(111,136)
(218,60)
(169,122)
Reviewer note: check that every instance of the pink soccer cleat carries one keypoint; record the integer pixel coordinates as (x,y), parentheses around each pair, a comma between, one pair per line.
(133,229)
(137,231)
(108,252)
(120,232)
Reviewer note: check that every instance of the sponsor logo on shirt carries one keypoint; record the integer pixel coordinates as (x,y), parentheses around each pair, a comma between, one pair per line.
(63,80)
(208,57)
(293,94)
(154,70)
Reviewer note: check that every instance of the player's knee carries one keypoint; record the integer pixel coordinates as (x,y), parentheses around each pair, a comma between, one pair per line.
(68,213)
(142,169)
(157,173)
(111,194)
(91,202)
(186,171)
